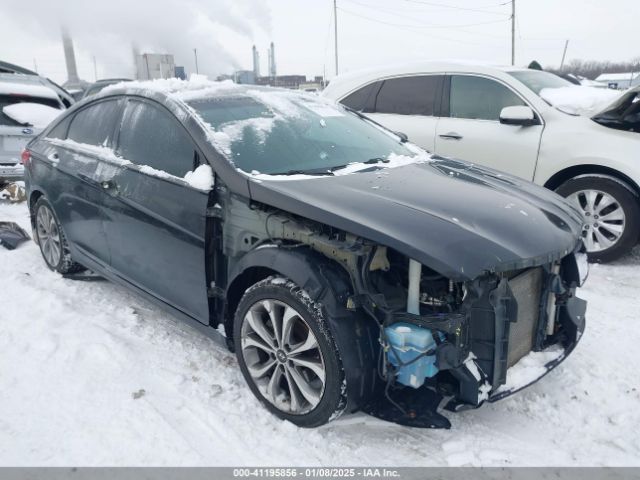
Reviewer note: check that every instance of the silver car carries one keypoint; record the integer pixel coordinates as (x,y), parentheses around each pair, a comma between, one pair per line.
(19,125)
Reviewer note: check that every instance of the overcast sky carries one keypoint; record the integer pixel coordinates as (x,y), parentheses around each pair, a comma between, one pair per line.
(370,32)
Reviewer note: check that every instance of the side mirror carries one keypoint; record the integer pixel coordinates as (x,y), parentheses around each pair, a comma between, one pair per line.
(518,115)
(403,137)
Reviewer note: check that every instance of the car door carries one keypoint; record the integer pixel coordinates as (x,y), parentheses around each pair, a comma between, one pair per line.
(156,220)
(80,159)
(470,127)
(407,104)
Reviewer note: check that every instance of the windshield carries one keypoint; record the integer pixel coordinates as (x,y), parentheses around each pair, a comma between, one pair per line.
(288,133)
(537,80)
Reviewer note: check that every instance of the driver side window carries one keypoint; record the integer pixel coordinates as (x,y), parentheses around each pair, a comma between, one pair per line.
(479,98)
(150,136)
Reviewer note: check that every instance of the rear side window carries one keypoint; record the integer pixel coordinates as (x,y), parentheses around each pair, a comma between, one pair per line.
(60,130)
(363,99)
(94,124)
(479,98)
(409,95)
(151,136)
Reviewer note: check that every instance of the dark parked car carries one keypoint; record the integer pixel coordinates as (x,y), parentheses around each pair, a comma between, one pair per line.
(350,270)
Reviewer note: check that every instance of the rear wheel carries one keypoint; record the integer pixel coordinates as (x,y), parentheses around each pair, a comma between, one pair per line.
(287,355)
(611,215)
(51,239)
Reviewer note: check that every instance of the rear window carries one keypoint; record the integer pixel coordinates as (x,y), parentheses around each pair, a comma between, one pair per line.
(6,100)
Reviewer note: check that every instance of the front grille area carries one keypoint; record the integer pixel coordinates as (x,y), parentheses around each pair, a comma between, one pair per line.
(527,289)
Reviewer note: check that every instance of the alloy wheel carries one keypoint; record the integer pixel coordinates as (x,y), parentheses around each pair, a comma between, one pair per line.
(48,236)
(604,218)
(283,356)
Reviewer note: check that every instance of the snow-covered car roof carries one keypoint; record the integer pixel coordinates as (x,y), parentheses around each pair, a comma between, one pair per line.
(16,84)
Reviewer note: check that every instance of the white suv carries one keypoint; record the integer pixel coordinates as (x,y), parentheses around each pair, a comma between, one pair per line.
(495,116)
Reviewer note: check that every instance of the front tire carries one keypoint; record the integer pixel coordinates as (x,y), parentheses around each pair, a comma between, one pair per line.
(611,215)
(52,241)
(287,354)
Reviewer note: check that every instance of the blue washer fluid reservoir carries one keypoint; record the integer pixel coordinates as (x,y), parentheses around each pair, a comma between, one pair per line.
(408,342)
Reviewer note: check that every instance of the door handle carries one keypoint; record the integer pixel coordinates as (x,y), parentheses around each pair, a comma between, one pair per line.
(108,185)
(451,136)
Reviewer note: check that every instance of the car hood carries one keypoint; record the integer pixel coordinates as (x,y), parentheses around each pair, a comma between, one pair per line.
(458,219)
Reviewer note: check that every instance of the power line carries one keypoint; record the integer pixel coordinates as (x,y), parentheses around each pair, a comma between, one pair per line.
(456,7)
(418,27)
(423,26)
(394,12)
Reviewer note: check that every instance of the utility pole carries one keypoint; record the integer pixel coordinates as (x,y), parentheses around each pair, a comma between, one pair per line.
(513,32)
(564,54)
(195,54)
(335,31)
(35,64)
(95,69)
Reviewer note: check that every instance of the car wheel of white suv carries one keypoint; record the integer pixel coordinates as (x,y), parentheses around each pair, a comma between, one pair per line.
(611,215)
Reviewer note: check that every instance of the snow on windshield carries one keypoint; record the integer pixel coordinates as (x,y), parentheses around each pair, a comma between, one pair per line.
(249,126)
(579,100)
(34,114)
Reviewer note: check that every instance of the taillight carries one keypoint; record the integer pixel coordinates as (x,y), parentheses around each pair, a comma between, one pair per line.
(25,157)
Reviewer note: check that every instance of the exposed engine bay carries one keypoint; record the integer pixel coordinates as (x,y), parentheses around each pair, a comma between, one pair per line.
(443,343)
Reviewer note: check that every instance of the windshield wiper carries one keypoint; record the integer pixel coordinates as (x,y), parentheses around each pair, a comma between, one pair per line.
(366,162)
(402,136)
(305,172)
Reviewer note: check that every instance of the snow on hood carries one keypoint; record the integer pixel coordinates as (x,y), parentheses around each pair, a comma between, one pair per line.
(34,114)
(579,100)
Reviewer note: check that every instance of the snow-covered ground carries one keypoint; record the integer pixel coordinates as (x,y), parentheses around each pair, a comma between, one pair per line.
(90,374)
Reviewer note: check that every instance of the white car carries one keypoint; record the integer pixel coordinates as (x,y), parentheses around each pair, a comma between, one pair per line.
(496,116)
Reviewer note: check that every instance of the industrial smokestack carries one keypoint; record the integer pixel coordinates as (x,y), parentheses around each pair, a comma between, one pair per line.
(136,53)
(70,58)
(256,62)
(272,60)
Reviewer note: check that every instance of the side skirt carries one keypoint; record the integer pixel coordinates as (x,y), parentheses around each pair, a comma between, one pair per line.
(107,273)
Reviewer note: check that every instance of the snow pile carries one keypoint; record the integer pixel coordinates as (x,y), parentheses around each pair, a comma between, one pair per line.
(579,100)
(232,132)
(195,87)
(34,114)
(201,178)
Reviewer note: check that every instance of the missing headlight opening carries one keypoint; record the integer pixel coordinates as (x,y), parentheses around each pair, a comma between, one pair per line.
(451,343)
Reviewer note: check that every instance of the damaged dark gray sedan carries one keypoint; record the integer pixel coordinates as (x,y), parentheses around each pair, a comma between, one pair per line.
(350,270)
